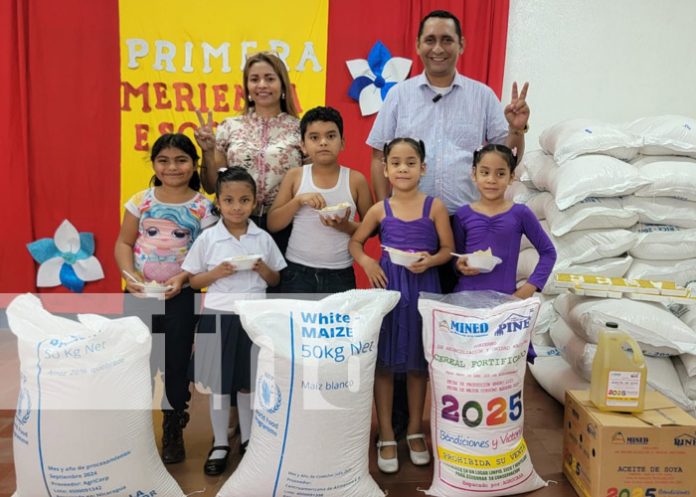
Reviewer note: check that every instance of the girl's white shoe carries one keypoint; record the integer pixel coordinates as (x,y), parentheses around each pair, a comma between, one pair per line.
(420,458)
(387,465)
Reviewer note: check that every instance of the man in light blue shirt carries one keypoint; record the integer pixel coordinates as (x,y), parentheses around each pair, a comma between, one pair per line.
(452,114)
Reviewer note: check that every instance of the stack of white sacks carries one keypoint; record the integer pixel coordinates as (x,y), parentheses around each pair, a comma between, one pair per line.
(616,200)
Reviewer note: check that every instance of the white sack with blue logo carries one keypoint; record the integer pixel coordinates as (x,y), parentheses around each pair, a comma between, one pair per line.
(313,401)
(476,346)
(83,425)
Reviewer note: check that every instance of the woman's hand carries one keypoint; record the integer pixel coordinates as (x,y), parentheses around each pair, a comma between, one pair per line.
(204,134)
(313,200)
(463,268)
(374,273)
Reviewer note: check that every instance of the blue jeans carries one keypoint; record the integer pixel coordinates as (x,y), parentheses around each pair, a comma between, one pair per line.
(297,278)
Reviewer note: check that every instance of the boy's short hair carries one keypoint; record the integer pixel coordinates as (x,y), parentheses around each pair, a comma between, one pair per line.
(326,114)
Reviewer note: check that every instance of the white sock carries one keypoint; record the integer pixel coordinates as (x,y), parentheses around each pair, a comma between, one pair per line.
(245,415)
(220,420)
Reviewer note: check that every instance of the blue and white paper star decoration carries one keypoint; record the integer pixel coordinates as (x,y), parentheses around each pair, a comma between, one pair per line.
(374,77)
(66,259)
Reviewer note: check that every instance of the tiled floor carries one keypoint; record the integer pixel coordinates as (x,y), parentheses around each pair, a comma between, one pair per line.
(543,432)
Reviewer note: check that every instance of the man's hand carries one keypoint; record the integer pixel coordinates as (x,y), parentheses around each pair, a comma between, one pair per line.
(517,111)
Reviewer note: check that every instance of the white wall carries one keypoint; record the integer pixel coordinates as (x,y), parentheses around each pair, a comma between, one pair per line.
(614,60)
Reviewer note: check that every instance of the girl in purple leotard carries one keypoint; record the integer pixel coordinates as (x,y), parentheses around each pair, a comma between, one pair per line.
(496,223)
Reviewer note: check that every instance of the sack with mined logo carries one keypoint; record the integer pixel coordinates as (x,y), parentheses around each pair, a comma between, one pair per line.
(476,346)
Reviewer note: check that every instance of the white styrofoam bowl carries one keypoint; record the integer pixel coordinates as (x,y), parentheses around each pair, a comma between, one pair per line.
(334,211)
(155,290)
(244,262)
(483,262)
(402,257)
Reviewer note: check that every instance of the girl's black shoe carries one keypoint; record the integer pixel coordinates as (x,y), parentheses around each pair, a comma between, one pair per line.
(215,467)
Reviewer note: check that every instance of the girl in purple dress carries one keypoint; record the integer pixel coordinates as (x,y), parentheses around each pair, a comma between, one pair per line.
(496,223)
(409,221)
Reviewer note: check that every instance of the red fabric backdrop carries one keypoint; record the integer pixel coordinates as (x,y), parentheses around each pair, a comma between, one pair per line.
(15,216)
(61,129)
(64,131)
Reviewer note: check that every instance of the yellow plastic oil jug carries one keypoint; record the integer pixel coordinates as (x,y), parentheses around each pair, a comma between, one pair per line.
(618,376)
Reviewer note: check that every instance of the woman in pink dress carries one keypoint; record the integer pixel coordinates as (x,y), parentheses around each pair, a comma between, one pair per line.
(265,139)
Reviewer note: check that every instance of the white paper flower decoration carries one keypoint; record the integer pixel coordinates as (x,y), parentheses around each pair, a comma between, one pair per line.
(374,77)
(67,259)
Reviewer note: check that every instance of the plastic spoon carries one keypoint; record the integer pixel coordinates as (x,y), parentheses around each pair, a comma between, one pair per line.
(132,278)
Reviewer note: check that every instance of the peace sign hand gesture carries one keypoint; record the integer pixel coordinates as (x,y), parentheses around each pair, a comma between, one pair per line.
(204,134)
(517,111)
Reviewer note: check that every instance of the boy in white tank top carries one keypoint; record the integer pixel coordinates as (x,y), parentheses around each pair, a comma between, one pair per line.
(317,254)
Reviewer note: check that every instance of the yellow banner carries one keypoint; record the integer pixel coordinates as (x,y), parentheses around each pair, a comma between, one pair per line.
(483,462)
(178,55)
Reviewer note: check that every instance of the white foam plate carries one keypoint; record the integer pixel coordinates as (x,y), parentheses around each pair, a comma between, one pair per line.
(402,257)
(334,211)
(244,262)
(156,291)
(483,262)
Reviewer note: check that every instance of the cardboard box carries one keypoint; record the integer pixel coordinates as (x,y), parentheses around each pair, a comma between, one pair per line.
(648,454)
